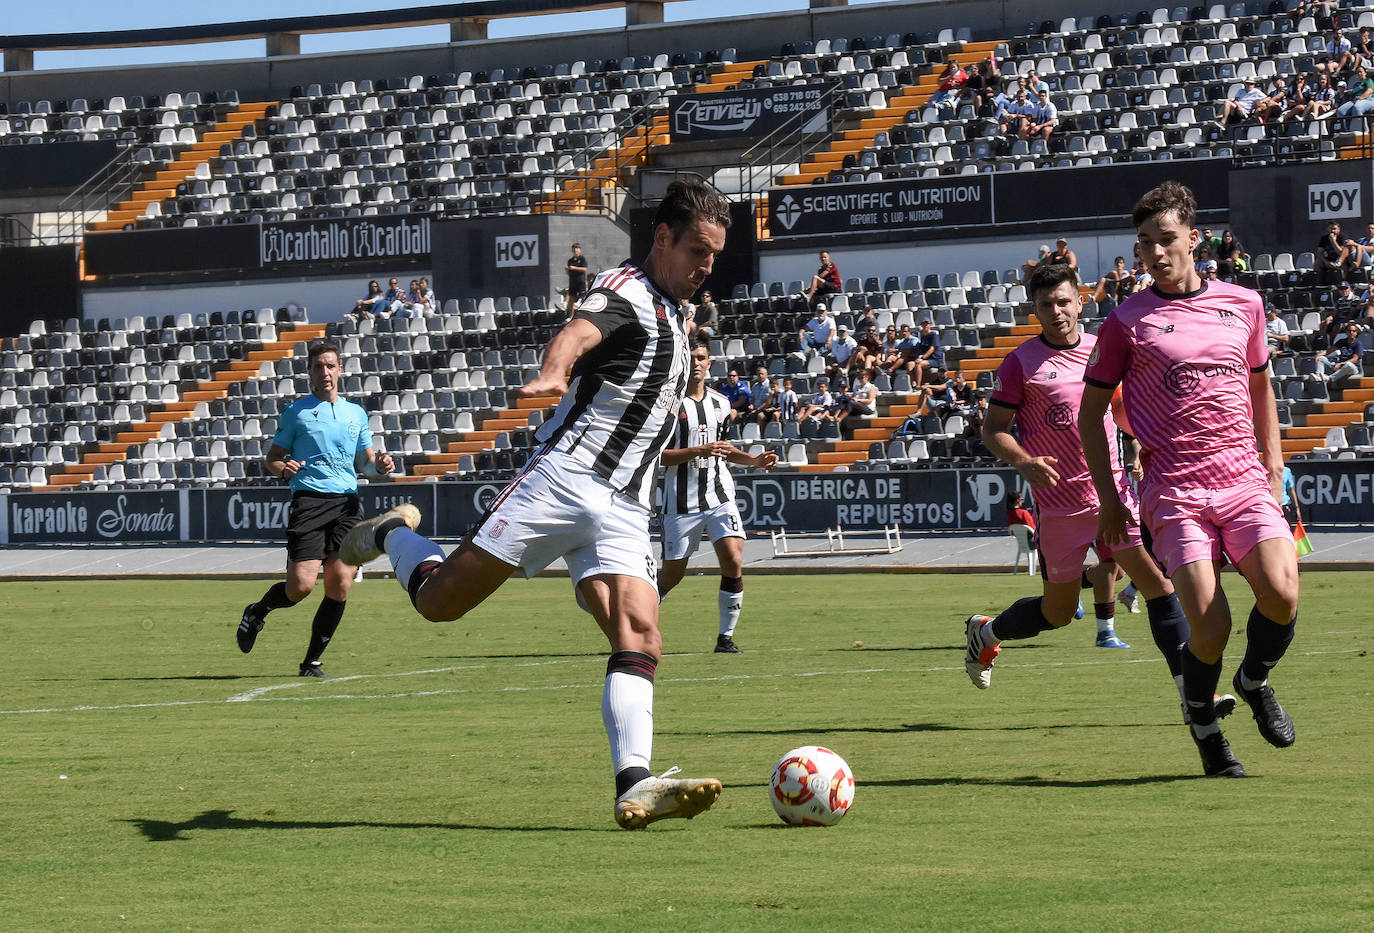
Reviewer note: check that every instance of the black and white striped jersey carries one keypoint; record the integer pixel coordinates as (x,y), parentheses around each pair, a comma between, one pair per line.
(702,483)
(617,415)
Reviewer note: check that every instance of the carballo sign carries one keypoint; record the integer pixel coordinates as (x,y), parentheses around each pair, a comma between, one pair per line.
(345,239)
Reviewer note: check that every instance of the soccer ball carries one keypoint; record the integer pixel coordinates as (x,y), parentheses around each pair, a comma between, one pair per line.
(811,786)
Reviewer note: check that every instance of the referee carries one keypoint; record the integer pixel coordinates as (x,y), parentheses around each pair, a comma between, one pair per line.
(322,443)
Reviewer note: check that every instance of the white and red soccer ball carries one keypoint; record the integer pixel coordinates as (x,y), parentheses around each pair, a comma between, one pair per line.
(811,786)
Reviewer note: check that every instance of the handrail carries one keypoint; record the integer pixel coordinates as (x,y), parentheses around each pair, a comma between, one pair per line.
(789,142)
(110,183)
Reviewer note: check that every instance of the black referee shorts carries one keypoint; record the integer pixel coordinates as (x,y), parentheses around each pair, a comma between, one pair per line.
(318,522)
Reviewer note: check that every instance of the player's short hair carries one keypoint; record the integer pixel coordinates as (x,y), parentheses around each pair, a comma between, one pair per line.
(689,200)
(1047,278)
(701,342)
(1170,197)
(323,346)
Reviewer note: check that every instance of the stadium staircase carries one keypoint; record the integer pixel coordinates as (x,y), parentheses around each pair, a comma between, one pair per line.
(474,442)
(1355,394)
(74,474)
(164,184)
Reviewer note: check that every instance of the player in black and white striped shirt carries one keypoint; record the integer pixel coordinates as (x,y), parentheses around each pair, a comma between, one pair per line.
(586,494)
(699,494)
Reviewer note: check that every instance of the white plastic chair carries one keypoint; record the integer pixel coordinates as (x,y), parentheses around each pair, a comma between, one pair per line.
(1023,546)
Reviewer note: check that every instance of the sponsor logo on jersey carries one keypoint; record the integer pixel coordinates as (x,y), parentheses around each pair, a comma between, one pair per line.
(1182,379)
(593,303)
(1059,416)
(498,528)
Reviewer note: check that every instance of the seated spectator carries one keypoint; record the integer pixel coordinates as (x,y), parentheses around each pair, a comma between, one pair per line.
(819,405)
(819,331)
(870,350)
(761,404)
(395,298)
(1334,254)
(1018,514)
(1275,332)
(891,349)
(955,397)
(1337,56)
(1033,83)
(1062,255)
(844,351)
(371,304)
(866,317)
(1116,286)
(978,88)
(688,311)
(862,400)
(1206,265)
(415,304)
(1319,10)
(1323,99)
(1345,358)
(826,281)
(1013,115)
(977,415)
(1360,102)
(1346,308)
(1241,106)
(708,315)
(1029,265)
(1272,106)
(927,357)
(906,342)
(1298,100)
(948,86)
(738,395)
(1044,117)
(1231,256)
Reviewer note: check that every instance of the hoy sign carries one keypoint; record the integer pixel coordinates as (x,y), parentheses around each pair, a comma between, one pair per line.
(1339,199)
(512,251)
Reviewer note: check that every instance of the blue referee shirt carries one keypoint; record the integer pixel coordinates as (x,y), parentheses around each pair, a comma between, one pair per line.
(325,436)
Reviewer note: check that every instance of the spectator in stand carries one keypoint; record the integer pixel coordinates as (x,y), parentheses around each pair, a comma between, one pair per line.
(761,405)
(955,397)
(1334,254)
(1275,332)
(1143,277)
(1033,84)
(1273,104)
(820,403)
(866,317)
(413,305)
(1345,358)
(1319,10)
(977,415)
(430,299)
(1361,102)
(1013,114)
(395,298)
(1030,265)
(906,343)
(862,400)
(892,350)
(787,402)
(1337,56)
(1044,117)
(738,394)
(928,356)
(826,281)
(1208,239)
(370,305)
(1114,287)
(1206,265)
(1018,514)
(1365,256)
(949,87)
(1231,256)
(844,351)
(1062,255)
(1363,50)
(576,267)
(870,351)
(979,86)
(1346,308)
(708,315)
(819,331)
(1240,108)
(1298,100)
(1323,99)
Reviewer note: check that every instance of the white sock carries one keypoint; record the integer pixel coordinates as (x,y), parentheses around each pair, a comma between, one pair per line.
(627,711)
(407,550)
(1130,590)
(1178,682)
(730,605)
(1106,626)
(1249,684)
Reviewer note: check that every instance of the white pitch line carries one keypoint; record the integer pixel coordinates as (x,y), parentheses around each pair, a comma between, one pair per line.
(257,692)
(589,685)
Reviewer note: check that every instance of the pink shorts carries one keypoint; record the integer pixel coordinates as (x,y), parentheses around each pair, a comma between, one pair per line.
(1064,543)
(1189,525)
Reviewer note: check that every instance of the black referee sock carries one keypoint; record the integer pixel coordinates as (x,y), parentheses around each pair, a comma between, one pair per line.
(327,619)
(275,598)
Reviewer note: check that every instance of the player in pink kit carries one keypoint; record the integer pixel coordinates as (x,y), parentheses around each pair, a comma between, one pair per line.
(1191,360)
(1040,386)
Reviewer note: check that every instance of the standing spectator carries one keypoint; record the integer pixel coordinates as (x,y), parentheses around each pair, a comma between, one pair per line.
(1333,254)
(1231,256)
(826,281)
(321,445)
(738,395)
(819,331)
(787,402)
(1275,332)
(844,351)
(1337,55)
(708,315)
(576,267)
(1345,358)
(1240,108)
(928,356)
(1062,255)
(1044,117)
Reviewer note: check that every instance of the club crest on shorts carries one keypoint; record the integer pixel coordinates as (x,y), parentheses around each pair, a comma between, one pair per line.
(498,528)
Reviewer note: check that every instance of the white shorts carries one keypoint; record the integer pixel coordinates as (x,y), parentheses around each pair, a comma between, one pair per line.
(682,533)
(559,508)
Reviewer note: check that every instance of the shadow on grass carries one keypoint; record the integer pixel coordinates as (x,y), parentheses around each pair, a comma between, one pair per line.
(516,657)
(1028,780)
(200,677)
(166,831)
(803,731)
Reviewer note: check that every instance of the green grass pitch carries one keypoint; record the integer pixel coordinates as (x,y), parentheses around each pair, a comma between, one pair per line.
(456,777)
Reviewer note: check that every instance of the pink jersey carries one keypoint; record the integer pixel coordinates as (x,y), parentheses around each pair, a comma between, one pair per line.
(1044,383)
(1184,365)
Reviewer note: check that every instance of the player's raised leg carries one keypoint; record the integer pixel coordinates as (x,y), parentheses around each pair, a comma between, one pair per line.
(1024,618)
(299,582)
(626,609)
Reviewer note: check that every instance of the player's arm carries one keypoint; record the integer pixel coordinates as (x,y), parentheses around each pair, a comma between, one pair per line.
(567,346)
(1267,429)
(766,460)
(1039,472)
(280,464)
(1113,518)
